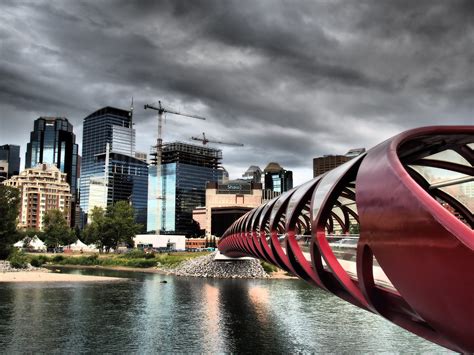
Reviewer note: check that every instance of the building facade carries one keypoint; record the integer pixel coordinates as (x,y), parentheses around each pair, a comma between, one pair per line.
(9,161)
(277,179)
(225,203)
(178,186)
(326,163)
(253,174)
(42,188)
(53,142)
(110,172)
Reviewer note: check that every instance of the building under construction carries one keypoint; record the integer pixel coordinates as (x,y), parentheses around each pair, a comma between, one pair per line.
(178,185)
(178,152)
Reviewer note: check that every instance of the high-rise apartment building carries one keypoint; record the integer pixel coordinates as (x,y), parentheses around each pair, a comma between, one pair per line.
(110,172)
(325,163)
(42,188)
(277,179)
(179,185)
(9,161)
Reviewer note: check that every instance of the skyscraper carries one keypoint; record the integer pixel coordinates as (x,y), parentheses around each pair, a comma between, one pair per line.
(181,186)
(110,172)
(277,179)
(53,142)
(9,161)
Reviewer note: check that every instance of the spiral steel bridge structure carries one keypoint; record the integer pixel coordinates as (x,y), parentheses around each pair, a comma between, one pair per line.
(390,231)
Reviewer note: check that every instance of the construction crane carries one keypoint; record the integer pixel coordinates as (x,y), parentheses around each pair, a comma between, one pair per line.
(161,110)
(204,141)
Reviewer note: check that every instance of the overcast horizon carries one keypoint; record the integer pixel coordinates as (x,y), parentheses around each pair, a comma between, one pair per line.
(289,80)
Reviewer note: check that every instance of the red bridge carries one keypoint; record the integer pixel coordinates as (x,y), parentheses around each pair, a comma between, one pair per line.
(390,231)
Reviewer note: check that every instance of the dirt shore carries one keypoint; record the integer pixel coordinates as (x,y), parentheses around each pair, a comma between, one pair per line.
(48,276)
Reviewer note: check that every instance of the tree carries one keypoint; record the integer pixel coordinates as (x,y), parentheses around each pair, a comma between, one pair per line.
(121,226)
(109,228)
(9,211)
(56,229)
(93,232)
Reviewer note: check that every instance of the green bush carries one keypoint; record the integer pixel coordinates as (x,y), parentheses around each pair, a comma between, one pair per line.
(134,254)
(18,260)
(143,263)
(38,260)
(57,258)
(269,268)
(149,255)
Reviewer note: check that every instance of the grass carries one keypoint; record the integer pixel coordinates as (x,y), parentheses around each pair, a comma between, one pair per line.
(135,258)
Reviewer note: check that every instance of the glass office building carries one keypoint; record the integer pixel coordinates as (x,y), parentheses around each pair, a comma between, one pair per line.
(9,161)
(123,176)
(52,141)
(277,179)
(180,186)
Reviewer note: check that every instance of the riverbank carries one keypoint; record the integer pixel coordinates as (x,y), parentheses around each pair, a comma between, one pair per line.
(49,276)
(180,264)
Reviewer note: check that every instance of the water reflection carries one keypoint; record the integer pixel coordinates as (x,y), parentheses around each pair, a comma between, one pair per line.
(144,315)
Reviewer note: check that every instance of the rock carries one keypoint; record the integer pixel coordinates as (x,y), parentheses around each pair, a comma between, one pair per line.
(6,267)
(205,266)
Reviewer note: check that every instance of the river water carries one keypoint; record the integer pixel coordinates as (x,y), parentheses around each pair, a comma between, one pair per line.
(143,315)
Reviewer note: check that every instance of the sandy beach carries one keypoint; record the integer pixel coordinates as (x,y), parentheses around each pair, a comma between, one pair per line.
(47,276)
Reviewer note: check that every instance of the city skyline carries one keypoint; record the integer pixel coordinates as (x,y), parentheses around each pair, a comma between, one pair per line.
(290,81)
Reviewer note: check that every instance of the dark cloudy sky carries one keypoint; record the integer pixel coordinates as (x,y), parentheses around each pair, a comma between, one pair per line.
(290,79)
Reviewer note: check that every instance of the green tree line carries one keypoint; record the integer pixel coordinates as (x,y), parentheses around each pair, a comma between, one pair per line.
(108,228)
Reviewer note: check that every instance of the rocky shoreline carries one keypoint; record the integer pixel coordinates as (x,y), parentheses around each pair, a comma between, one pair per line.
(205,266)
(6,267)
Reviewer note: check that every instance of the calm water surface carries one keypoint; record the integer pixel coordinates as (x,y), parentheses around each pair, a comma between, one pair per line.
(142,315)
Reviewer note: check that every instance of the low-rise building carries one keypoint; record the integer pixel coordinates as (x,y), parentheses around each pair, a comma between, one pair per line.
(42,188)
(225,203)
(326,163)
(156,241)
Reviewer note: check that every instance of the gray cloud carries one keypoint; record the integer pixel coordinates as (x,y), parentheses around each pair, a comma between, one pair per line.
(289,80)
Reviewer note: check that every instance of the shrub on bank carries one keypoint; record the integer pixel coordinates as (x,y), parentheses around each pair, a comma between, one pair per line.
(269,268)
(134,258)
(18,259)
(38,260)
(142,263)
(134,254)
(57,259)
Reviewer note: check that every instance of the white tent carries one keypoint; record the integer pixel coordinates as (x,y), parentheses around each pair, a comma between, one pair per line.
(92,248)
(78,246)
(35,243)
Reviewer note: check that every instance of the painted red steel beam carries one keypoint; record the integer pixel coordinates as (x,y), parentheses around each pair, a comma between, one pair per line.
(413,259)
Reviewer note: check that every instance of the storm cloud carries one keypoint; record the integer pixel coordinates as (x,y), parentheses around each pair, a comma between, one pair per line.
(291,80)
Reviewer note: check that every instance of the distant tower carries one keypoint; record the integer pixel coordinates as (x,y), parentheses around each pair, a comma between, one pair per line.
(254,174)
(53,142)
(115,170)
(9,161)
(185,171)
(277,179)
